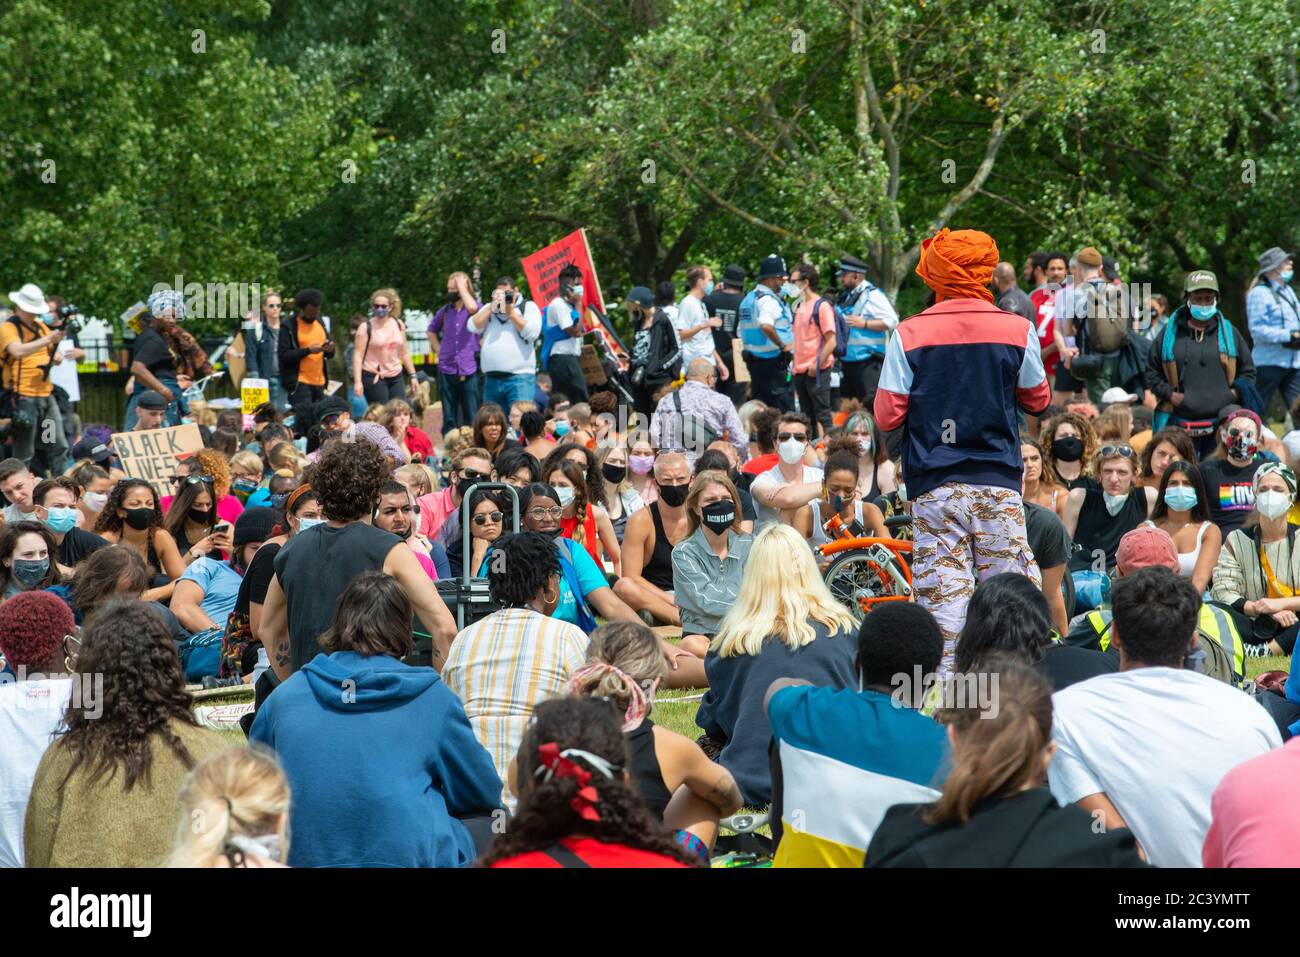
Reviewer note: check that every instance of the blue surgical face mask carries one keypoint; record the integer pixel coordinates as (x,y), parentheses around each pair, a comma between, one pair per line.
(789,290)
(306,523)
(561,428)
(1203,313)
(708,288)
(1286,276)
(60,521)
(1180,498)
(566,495)
(577,290)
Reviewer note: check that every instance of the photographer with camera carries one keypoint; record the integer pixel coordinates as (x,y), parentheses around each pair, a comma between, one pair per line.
(66,318)
(508,327)
(564,328)
(28,350)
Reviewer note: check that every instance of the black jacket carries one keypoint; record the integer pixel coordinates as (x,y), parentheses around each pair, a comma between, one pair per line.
(664,361)
(1025,830)
(1201,376)
(291,355)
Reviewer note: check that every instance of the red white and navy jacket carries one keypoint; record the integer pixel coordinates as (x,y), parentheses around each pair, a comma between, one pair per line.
(953,376)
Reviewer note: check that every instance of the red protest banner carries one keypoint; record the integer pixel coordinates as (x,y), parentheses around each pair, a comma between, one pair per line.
(542,270)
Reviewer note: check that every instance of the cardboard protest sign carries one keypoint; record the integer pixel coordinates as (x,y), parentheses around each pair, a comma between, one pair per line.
(153,453)
(236,365)
(738,358)
(592,370)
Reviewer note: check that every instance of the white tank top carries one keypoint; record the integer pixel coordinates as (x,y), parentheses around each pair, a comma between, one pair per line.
(1187,560)
(818,536)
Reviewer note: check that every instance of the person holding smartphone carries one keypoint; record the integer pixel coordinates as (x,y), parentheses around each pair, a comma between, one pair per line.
(304,347)
(191,520)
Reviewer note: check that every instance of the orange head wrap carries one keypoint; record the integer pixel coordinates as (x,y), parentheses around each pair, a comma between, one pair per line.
(958,265)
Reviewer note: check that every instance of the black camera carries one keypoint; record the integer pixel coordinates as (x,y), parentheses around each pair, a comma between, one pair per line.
(68,320)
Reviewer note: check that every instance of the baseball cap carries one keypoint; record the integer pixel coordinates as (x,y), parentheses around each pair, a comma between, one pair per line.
(1144,546)
(642,296)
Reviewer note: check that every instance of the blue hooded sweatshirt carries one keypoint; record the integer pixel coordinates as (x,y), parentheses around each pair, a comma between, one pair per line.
(381,762)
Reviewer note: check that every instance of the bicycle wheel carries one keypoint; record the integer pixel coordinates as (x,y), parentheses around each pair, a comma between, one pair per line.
(858,581)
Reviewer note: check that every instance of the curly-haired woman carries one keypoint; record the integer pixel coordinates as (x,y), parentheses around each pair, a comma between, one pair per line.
(131,517)
(105,792)
(577,806)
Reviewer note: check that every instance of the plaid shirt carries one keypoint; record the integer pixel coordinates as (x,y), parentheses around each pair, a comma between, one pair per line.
(714,408)
(503,666)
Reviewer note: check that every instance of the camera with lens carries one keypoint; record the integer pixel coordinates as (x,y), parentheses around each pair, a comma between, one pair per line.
(69,319)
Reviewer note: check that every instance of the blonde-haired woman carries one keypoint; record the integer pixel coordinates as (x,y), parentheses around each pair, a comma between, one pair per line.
(381,345)
(621,499)
(784,624)
(234,813)
(396,418)
(678,782)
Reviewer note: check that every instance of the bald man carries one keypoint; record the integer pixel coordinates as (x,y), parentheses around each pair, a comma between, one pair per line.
(1010,297)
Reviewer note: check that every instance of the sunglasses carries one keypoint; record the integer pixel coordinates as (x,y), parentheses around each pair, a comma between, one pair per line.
(474,475)
(1108,450)
(787,436)
(194,479)
(488,518)
(380,308)
(333,419)
(554,511)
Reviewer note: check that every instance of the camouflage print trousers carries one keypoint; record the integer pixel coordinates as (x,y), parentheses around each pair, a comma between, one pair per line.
(963,534)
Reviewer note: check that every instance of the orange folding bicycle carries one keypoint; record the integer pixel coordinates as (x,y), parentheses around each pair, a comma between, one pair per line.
(865,571)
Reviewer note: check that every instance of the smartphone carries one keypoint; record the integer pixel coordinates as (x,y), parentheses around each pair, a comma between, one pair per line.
(221,529)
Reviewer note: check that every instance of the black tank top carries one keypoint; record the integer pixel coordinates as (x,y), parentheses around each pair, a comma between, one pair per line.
(646,775)
(1098,529)
(658,570)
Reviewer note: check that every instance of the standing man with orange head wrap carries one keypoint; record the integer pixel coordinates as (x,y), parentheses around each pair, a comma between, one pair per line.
(953,377)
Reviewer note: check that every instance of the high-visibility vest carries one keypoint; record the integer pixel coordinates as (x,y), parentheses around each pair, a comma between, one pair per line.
(1214,624)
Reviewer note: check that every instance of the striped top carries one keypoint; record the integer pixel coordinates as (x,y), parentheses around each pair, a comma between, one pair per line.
(503,666)
(846,758)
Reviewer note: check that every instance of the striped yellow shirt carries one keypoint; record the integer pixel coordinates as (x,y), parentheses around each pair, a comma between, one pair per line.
(504,665)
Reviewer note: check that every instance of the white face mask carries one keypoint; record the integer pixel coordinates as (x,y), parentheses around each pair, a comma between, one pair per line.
(1114,503)
(95,501)
(565,494)
(791,451)
(864,444)
(1272,504)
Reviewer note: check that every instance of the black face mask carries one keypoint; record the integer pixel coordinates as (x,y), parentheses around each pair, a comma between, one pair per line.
(674,495)
(464,485)
(453,297)
(553,533)
(719,516)
(1069,449)
(202,516)
(614,474)
(139,518)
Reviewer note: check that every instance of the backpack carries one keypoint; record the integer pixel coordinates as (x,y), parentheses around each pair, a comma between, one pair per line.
(1107,318)
(696,434)
(841,326)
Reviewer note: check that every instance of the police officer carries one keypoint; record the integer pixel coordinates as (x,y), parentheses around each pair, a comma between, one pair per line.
(871,317)
(767,335)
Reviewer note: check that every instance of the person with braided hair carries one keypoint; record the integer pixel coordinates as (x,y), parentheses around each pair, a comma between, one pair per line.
(578,806)
(104,789)
(674,776)
(241,799)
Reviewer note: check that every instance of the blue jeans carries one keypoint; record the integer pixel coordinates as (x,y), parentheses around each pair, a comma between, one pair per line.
(1267,380)
(461,397)
(175,409)
(508,389)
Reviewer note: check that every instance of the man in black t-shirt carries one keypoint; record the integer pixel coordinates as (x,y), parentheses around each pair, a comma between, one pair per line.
(55,501)
(724,303)
(1051,545)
